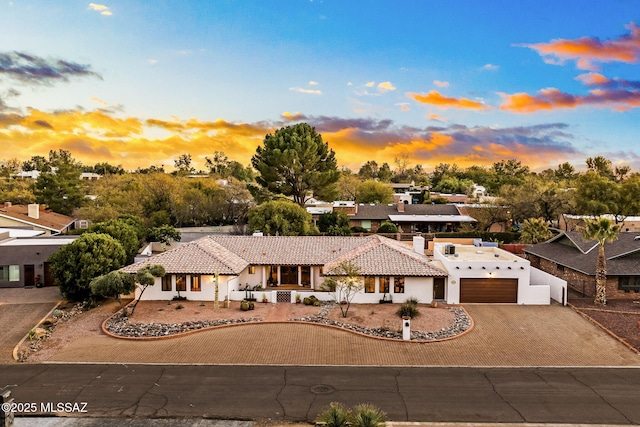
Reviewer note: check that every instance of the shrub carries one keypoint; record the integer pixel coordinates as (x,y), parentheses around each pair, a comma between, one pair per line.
(387,227)
(336,415)
(312,300)
(408,309)
(358,229)
(367,415)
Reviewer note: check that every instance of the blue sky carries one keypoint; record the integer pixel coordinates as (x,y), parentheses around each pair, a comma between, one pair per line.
(466,82)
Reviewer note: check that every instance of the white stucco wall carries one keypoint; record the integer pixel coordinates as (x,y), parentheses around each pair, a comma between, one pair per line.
(483,263)
(207,293)
(557,286)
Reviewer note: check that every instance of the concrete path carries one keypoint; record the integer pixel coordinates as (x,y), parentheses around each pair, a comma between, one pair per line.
(504,335)
(20,310)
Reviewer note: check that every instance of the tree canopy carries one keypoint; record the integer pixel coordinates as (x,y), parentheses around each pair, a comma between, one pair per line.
(282,218)
(75,265)
(296,162)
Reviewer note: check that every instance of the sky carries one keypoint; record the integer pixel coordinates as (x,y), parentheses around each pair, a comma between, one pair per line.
(138,83)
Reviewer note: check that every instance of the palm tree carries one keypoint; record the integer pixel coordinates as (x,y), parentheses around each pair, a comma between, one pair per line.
(603,230)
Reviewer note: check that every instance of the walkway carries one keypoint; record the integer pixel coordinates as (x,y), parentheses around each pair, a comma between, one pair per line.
(504,335)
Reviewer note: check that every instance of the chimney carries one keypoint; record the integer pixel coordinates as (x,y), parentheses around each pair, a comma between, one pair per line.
(7,204)
(418,244)
(33,211)
(400,206)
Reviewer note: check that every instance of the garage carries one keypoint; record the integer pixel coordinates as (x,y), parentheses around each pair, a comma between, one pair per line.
(489,290)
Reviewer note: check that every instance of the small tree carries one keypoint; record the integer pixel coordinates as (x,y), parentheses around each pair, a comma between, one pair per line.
(113,284)
(345,285)
(146,277)
(534,230)
(163,234)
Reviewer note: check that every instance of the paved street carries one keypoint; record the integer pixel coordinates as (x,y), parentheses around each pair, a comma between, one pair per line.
(514,395)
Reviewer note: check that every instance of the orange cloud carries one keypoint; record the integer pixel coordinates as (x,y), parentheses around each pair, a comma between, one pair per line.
(589,51)
(435,98)
(551,99)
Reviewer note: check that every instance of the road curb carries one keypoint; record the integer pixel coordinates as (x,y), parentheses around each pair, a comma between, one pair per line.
(15,349)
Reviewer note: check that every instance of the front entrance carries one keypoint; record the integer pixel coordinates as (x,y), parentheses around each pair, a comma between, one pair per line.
(29,275)
(438,288)
(289,275)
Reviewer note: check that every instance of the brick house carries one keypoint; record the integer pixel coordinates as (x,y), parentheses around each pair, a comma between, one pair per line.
(569,257)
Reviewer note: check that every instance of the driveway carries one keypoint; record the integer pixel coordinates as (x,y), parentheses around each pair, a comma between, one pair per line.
(20,310)
(504,335)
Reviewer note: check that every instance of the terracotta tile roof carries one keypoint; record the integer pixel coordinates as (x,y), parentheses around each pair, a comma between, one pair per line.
(47,219)
(381,256)
(569,250)
(289,250)
(202,256)
(230,255)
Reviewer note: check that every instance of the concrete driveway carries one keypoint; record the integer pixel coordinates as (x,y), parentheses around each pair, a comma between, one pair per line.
(504,335)
(20,310)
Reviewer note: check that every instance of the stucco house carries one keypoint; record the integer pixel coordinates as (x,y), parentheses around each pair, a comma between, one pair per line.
(481,274)
(569,257)
(24,260)
(283,266)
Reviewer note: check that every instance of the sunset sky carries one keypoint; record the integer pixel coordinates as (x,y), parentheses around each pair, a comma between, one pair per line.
(138,83)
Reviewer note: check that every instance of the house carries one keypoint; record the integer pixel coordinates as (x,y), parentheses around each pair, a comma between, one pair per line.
(424,218)
(487,274)
(283,266)
(34,217)
(569,257)
(24,261)
(574,222)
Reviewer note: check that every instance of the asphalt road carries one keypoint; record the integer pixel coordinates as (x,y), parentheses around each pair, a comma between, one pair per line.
(291,393)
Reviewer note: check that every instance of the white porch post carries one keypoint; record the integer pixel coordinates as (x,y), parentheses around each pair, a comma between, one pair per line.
(299,276)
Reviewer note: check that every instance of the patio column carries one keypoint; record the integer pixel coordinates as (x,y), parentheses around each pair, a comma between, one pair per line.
(299,276)
(264,276)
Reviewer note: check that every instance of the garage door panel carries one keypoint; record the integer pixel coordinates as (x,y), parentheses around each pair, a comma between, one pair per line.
(489,290)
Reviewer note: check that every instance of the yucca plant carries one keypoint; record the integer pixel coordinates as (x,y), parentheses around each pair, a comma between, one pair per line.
(367,415)
(336,415)
(408,309)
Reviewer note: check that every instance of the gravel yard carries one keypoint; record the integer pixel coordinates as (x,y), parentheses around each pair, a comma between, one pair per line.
(621,317)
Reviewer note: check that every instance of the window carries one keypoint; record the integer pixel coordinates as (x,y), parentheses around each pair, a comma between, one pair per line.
(398,285)
(9,273)
(305,275)
(629,283)
(166,283)
(321,271)
(195,284)
(366,224)
(369,284)
(181,282)
(384,285)
(252,269)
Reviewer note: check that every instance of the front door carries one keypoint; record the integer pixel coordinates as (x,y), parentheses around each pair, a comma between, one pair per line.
(29,275)
(438,288)
(289,275)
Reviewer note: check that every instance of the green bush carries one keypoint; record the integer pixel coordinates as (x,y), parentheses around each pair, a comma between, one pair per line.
(408,309)
(311,300)
(358,229)
(336,415)
(367,415)
(387,227)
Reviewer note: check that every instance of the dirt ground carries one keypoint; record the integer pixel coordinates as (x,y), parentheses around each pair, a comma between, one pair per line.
(621,317)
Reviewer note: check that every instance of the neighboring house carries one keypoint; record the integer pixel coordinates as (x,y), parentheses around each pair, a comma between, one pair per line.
(569,257)
(451,198)
(574,222)
(34,217)
(425,218)
(24,261)
(90,176)
(283,266)
(481,274)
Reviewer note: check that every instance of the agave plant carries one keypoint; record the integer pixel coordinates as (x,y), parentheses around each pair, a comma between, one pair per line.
(336,415)
(367,415)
